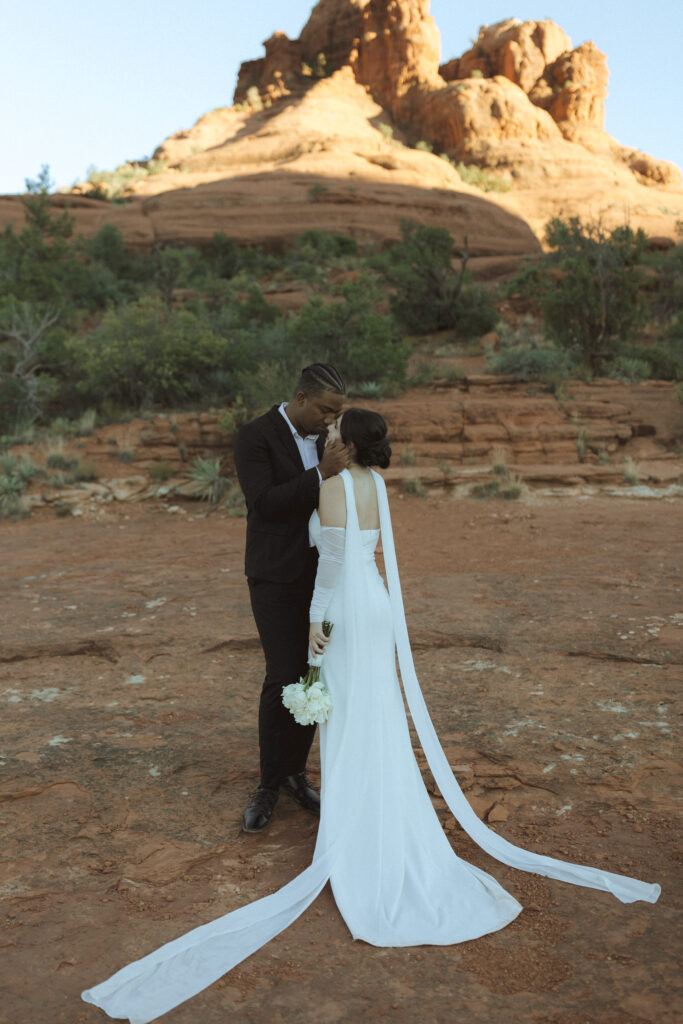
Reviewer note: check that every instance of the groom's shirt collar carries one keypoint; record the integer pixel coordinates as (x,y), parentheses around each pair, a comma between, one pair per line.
(308,448)
(296,434)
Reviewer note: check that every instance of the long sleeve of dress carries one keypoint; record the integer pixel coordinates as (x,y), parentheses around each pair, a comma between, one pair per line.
(332,545)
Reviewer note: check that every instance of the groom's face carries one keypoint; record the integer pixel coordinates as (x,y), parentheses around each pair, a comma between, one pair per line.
(315,413)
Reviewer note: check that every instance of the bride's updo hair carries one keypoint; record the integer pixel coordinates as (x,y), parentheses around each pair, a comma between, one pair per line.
(368,432)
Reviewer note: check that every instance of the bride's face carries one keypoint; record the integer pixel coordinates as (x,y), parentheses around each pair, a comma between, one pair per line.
(333,431)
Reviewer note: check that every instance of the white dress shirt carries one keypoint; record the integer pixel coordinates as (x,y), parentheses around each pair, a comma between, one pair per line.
(306,445)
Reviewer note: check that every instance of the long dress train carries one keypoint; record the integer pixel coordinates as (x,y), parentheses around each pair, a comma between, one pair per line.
(395,877)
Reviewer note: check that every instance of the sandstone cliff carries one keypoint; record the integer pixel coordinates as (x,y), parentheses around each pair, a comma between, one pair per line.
(323,130)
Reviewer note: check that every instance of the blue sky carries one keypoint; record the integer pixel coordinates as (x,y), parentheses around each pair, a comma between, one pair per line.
(85,83)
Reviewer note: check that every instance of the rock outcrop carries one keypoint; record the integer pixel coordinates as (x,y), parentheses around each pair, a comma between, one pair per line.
(324,132)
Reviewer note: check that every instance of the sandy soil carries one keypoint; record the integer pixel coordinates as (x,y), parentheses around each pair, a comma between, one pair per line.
(548,641)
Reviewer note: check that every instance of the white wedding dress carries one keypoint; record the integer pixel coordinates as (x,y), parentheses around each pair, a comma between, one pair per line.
(395,877)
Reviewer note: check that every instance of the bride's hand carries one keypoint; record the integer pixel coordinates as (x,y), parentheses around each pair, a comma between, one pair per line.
(317,641)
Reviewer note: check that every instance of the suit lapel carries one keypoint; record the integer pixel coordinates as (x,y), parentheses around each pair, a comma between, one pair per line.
(285,436)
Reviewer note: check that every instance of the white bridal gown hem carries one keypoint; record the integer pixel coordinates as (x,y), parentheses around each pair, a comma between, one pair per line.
(394,875)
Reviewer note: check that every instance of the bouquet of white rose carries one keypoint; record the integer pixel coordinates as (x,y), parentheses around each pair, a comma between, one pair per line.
(309,700)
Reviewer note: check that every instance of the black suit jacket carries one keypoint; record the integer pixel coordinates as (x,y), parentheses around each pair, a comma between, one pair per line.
(280,496)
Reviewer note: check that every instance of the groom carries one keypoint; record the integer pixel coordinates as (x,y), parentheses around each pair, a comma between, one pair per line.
(281,461)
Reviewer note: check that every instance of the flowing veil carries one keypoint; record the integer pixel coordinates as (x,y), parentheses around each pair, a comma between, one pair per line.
(150,987)
(624,888)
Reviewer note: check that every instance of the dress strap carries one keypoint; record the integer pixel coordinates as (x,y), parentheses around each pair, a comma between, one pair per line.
(351,510)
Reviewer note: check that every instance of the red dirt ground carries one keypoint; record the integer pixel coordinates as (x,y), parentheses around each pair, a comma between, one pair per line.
(547,637)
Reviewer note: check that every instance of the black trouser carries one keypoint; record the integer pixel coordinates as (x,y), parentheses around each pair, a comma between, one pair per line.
(281,614)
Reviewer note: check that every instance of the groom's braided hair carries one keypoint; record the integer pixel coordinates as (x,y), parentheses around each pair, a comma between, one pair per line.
(319,377)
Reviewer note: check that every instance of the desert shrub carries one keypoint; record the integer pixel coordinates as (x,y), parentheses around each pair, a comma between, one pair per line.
(161,471)
(528,280)
(233,500)
(476,313)
(426,147)
(232,419)
(84,471)
(547,363)
(206,473)
(481,178)
(24,469)
(664,286)
(116,275)
(14,403)
(316,250)
(328,245)
(502,485)
(488,489)
(350,334)
(255,261)
(413,485)
(631,472)
(513,487)
(369,389)
(58,459)
(13,504)
(107,248)
(591,303)
(87,423)
(31,348)
(665,356)
(629,368)
(146,353)
(223,255)
(175,268)
(429,295)
(115,182)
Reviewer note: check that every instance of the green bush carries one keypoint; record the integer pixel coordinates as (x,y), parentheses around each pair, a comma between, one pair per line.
(327,245)
(14,403)
(628,368)
(175,268)
(528,280)
(429,295)
(591,303)
(350,334)
(161,471)
(223,255)
(117,181)
(530,362)
(13,504)
(483,179)
(146,353)
(413,485)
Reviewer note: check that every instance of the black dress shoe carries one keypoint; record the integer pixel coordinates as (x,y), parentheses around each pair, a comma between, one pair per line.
(300,788)
(259,809)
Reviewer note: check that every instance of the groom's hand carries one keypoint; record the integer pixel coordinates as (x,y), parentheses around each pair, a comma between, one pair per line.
(335,458)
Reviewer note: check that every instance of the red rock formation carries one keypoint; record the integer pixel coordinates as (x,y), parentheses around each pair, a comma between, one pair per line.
(518,81)
(332,29)
(277,74)
(521,51)
(398,50)
(537,57)
(521,102)
(580,86)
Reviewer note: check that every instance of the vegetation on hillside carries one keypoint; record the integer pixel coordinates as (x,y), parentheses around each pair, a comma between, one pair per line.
(86,324)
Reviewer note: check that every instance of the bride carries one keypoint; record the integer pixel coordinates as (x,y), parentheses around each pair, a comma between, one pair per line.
(393,872)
